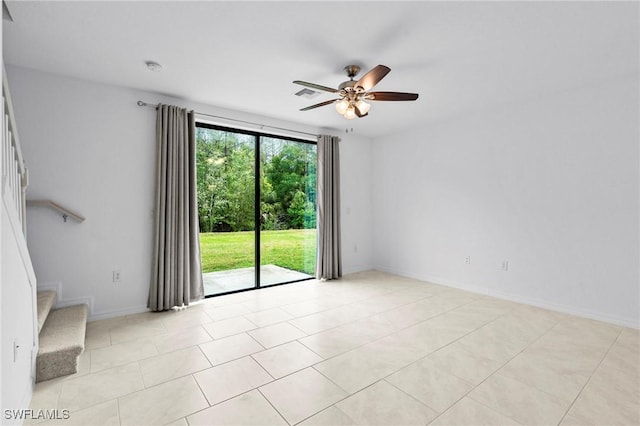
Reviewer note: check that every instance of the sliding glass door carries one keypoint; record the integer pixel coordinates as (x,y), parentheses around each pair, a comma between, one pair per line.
(288,210)
(226,209)
(250,182)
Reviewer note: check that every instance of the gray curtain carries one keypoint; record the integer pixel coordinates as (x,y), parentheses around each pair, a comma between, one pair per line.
(329,261)
(176,277)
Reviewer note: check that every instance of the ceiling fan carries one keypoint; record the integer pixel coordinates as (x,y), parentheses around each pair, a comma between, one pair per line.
(353,94)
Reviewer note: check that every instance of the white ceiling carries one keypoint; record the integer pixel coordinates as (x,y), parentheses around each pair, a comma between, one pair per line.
(459,56)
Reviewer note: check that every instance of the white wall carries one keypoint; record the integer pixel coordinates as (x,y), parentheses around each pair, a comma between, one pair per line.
(89,147)
(355,200)
(549,185)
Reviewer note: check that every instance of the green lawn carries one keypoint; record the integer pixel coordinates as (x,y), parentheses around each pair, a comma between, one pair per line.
(293,249)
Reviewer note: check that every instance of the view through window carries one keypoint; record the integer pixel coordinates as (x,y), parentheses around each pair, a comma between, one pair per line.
(256,206)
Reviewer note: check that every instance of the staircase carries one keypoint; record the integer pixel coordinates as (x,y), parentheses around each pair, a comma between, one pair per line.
(61,337)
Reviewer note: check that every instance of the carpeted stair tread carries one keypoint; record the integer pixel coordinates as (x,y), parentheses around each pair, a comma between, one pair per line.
(46,300)
(61,342)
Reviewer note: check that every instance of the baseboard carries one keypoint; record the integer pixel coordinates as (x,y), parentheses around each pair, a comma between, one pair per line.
(540,303)
(117,313)
(571,310)
(61,302)
(356,268)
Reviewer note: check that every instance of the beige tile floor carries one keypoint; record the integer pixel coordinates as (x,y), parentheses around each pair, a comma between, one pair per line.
(371,348)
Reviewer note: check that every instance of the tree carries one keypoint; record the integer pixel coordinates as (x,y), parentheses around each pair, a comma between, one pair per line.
(209,174)
(292,171)
(310,215)
(296,211)
(224,164)
(226,182)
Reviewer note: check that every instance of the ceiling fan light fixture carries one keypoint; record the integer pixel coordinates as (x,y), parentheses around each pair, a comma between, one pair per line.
(350,114)
(363,107)
(341,106)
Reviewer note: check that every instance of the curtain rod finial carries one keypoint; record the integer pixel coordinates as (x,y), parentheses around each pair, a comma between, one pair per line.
(140,103)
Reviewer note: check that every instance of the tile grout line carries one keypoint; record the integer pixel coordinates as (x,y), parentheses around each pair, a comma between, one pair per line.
(449,344)
(390,333)
(118,409)
(504,364)
(352,302)
(534,387)
(337,402)
(272,406)
(494,372)
(590,377)
(395,371)
(234,359)
(409,395)
(332,328)
(205,398)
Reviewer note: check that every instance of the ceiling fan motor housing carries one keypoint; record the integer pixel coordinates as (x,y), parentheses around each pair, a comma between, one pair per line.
(351,71)
(349,84)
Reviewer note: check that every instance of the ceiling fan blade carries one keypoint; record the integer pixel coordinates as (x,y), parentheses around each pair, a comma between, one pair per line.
(391,96)
(319,105)
(372,78)
(316,86)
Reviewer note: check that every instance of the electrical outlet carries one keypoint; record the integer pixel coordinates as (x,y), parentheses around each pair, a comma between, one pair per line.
(505,265)
(467,260)
(117,277)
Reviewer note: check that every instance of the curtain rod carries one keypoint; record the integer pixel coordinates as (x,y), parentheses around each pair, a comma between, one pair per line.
(142,103)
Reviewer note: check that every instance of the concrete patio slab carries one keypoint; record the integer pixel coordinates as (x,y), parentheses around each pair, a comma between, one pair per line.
(244,278)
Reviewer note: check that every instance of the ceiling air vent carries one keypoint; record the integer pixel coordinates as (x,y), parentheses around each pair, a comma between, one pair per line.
(307,93)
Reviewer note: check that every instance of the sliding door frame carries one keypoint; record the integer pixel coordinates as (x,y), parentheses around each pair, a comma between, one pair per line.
(256,199)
